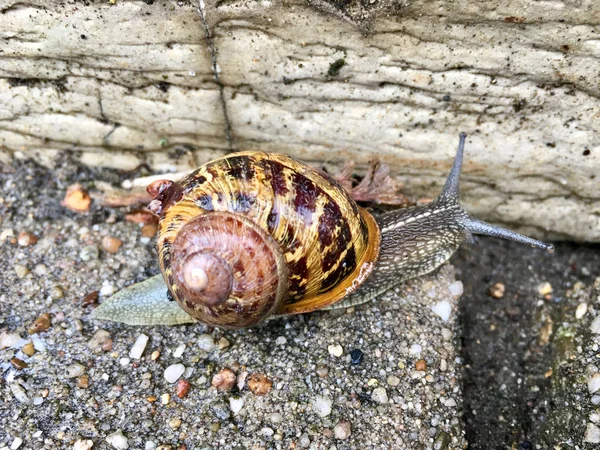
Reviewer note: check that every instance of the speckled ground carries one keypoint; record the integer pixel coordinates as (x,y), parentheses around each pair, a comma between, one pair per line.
(317,400)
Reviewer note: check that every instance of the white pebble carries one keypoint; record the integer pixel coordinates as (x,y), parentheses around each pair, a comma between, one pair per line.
(16,443)
(38,343)
(150,445)
(446,334)
(335,350)
(450,403)
(206,342)
(179,351)
(442,309)
(107,289)
(594,383)
(595,417)
(596,400)
(595,327)
(267,432)
(379,395)
(456,288)
(75,370)
(124,361)
(236,404)
(10,340)
(415,349)
(281,340)
(322,405)
(592,434)
(138,348)
(581,310)
(342,430)
(173,372)
(117,440)
(83,444)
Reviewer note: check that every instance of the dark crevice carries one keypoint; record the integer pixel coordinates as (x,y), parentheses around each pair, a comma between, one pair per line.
(216,76)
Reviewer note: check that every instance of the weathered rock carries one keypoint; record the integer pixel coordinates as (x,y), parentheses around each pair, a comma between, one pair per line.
(327,81)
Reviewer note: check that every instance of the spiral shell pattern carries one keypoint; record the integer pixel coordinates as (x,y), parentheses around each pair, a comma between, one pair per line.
(329,244)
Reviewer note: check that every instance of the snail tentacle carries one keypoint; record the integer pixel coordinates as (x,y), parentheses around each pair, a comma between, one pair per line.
(144,303)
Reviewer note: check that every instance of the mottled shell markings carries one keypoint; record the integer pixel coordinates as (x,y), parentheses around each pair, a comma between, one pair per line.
(327,241)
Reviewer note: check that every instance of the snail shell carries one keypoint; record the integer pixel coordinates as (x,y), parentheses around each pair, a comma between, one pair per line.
(254,234)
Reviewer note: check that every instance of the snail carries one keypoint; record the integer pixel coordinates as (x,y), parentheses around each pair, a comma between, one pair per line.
(253,235)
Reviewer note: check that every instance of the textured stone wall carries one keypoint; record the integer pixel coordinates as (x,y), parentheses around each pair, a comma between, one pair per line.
(173,84)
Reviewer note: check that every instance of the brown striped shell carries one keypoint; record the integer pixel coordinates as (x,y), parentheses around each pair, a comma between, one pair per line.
(253,234)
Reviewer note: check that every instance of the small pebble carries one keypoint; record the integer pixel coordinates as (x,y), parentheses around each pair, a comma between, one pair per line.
(356,356)
(342,430)
(224,380)
(415,349)
(138,348)
(16,443)
(206,342)
(223,343)
(497,290)
(267,432)
(594,383)
(174,423)
(155,355)
(90,299)
(545,289)
(40,270)
(111,244)
(179,351)
(421,365)
(379,395)
(335,350)
(56,293)
(456,288)
(74,370)
(236,404)
(19,393)
(393,380)
(442,309)
(9,340)
(18,364)
(183,387)
(173,372)
(149,230)
(41,324)
(21,271)
(259,384)
(165,399)
(595,326)
(26,239)
(89,253)
(446,334)
(28,349)
(107,289)
(281,340)
(117,440)
(322,405)
(83,382)
(592,434)
(83,444)
(581,310)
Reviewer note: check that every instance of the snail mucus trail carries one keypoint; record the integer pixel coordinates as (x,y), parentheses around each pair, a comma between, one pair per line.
(254,235)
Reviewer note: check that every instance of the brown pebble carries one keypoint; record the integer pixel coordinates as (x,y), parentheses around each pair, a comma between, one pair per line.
(90,299)
(111,244)
(259,383)
(28,349)
(42,323)
(149,230)
(224,380)
(26,239)
(182,389)
(77,199)
(328,433)
(497,290)
(421,365)
(83,382)
(18,363)
(107,345)
(151,398)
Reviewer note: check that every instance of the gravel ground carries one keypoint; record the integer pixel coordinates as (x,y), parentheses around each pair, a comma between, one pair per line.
(292,383)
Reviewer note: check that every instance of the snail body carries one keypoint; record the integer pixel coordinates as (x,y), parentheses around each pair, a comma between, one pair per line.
(252,235)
